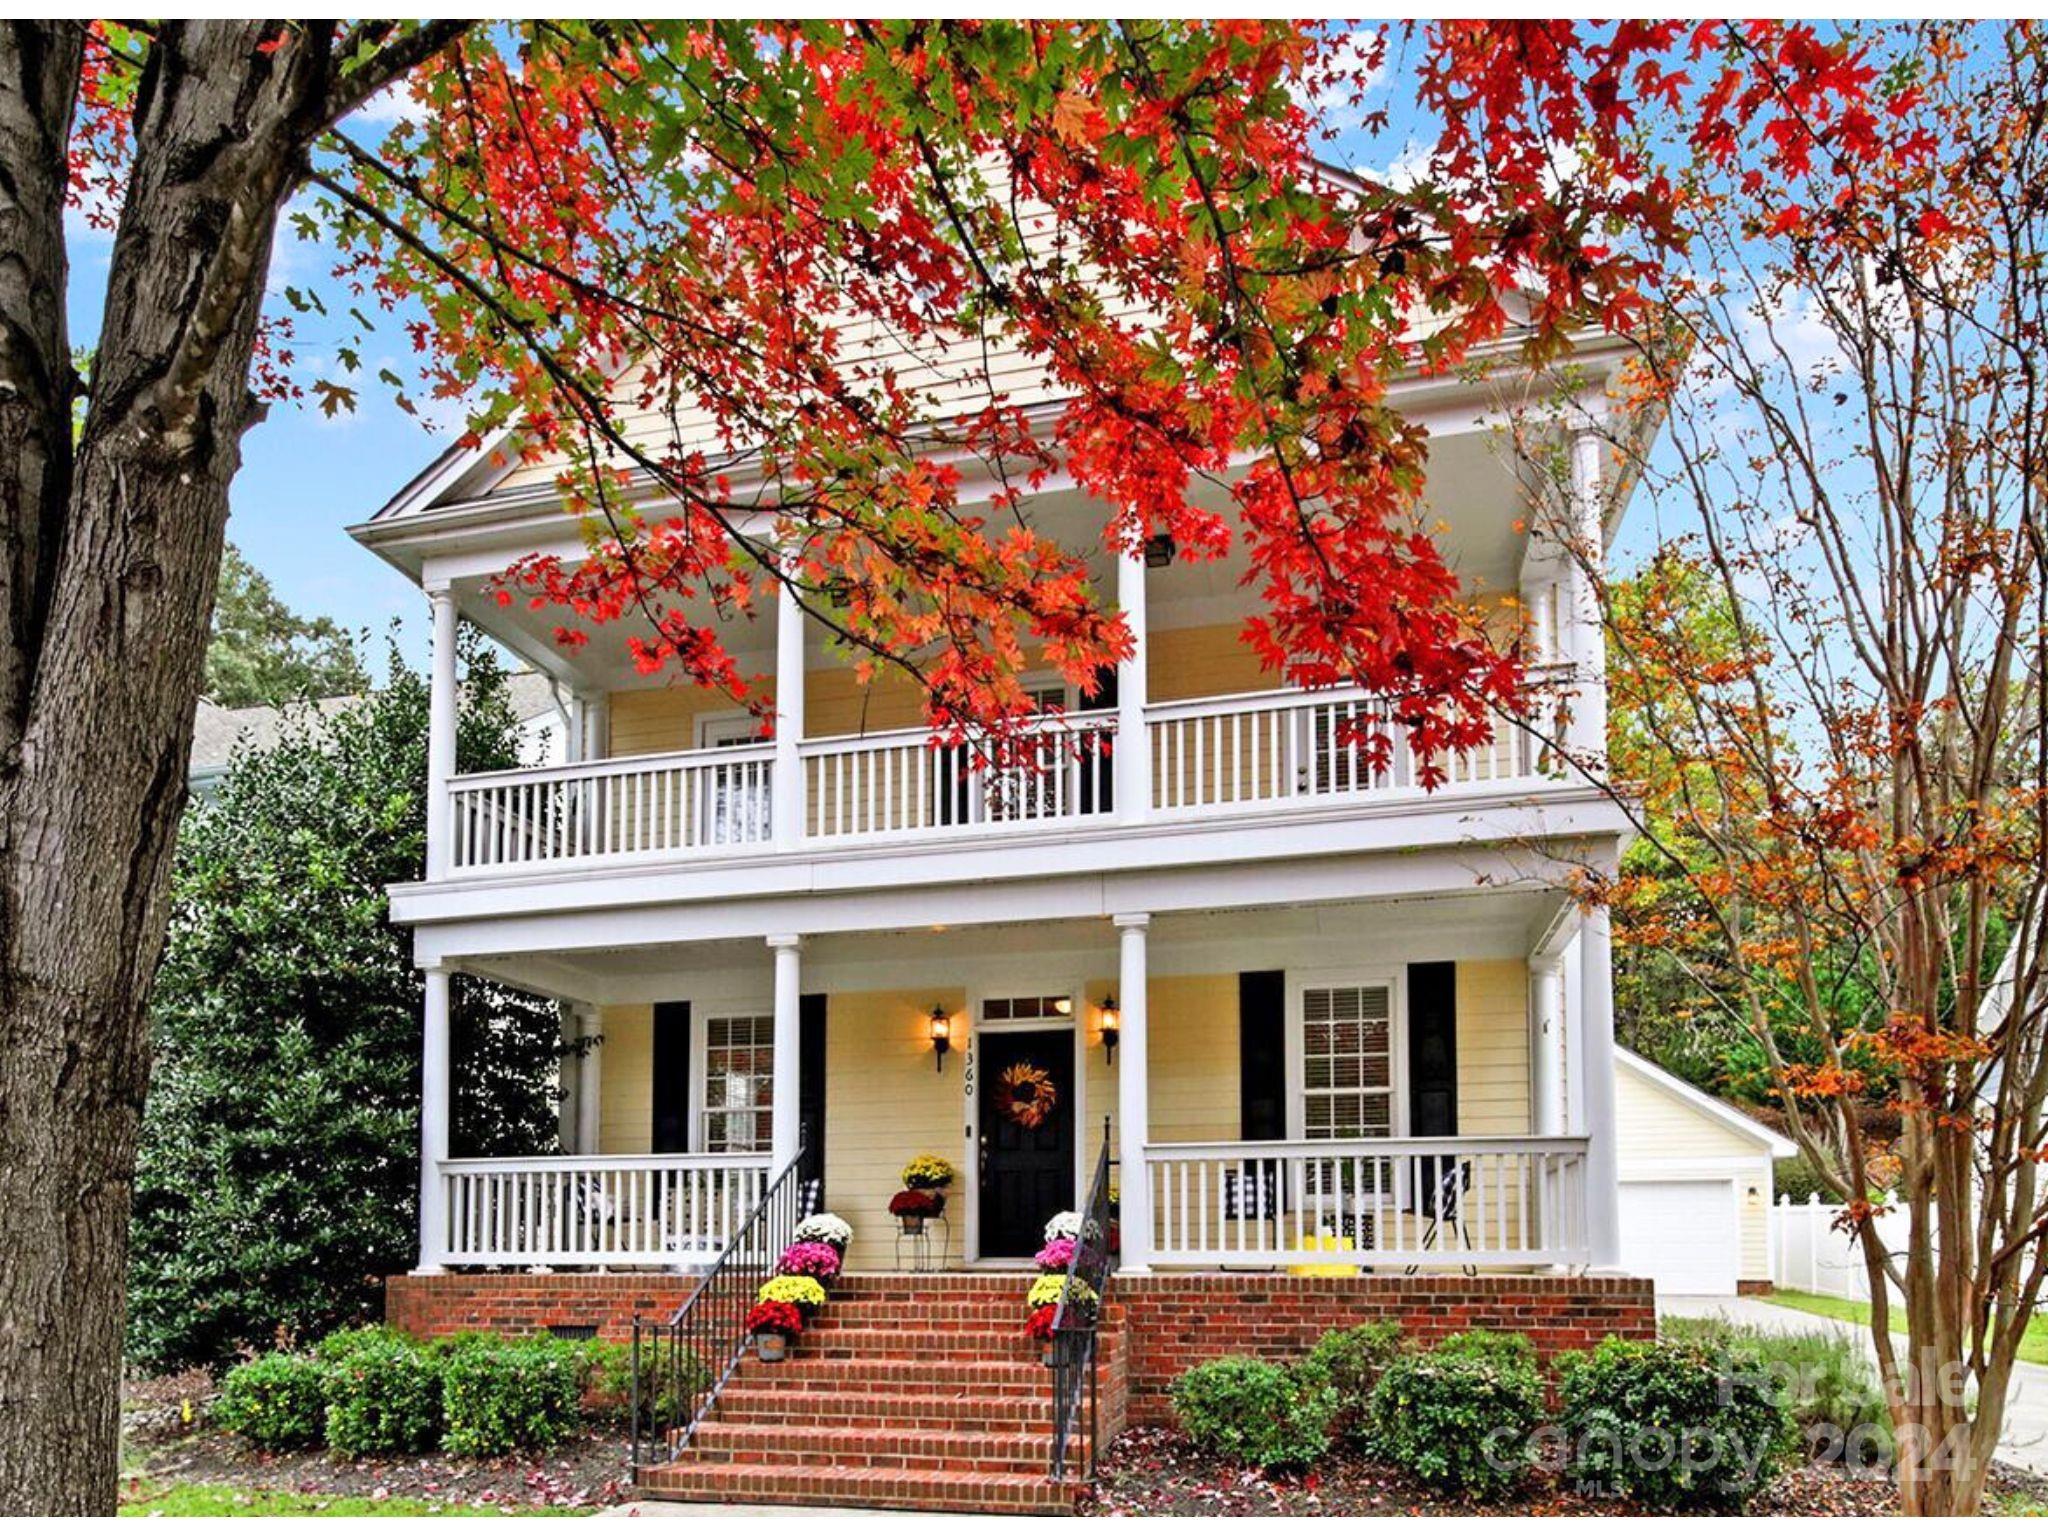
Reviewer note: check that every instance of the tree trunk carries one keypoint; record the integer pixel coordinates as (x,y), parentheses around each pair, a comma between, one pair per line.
(112,564)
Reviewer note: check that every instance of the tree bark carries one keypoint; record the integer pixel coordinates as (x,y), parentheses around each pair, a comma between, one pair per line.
(111,559)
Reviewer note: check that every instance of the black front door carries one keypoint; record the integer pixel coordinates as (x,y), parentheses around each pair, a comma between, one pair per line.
(1027,1136)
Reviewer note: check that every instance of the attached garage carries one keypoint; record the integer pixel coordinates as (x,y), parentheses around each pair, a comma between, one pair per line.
(1696,1185)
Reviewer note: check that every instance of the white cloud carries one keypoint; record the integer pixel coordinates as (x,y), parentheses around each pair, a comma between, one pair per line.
(388,108)
(1348,70)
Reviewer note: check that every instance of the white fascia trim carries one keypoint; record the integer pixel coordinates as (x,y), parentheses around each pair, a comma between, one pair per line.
(1484,827)
(880,907)
(1724,1114)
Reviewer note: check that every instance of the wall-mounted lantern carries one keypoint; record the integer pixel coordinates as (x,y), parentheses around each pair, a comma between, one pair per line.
(1112,1026)
(942,1036)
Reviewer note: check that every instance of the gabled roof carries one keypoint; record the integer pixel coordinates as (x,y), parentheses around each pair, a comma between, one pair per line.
(1719,1110)
(218,732)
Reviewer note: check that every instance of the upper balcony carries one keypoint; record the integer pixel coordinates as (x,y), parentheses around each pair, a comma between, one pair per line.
(1187,756)
(1198,759)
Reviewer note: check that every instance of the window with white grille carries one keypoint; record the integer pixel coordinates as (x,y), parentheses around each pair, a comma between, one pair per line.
(739,1082)
(1347,1062)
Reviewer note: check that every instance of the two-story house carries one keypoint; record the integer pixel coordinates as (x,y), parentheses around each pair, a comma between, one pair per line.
(1321,1015)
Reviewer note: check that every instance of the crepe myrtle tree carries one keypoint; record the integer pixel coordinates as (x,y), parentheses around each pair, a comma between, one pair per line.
(1827,683)
(583,225)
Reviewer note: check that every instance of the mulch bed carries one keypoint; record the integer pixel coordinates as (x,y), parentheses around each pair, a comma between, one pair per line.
(1158,1472)
(165,1419)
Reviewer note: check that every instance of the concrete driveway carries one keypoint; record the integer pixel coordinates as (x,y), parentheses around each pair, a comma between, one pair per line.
(2025,1441)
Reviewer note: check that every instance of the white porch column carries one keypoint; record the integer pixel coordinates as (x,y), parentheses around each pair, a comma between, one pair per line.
(1133,1095)
(1596,1051)
(788,792)
(575,730)
(589,1080)
(1546,1049)
(1133,756)
(784,1122)
(440,728)
(597,728)
(434,1099)
(569,1077)
(1585,640)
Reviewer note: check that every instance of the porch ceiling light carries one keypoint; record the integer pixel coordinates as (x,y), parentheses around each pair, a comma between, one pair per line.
(1159,551)
(1112,1026)
(942,1036)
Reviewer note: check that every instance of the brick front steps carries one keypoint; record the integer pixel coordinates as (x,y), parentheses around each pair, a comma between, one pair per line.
(933,1371)
(908,1392)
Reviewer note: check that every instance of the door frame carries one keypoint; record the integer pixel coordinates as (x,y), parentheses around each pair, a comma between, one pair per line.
(977,994)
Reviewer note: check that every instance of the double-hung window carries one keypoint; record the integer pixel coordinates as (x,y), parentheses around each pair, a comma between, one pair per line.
(739,1082)
(1347,1062)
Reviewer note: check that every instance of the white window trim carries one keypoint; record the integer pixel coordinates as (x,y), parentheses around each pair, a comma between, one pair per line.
(701,1015)
(721,723)
(1299,982)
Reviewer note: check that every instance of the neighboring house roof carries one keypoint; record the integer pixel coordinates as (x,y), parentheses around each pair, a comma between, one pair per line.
(219,733)
(1718,1110)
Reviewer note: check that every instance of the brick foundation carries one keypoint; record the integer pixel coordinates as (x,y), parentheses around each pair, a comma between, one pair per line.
(1754,1287)
(1171,1321)
(1175,1321)
(429,1305)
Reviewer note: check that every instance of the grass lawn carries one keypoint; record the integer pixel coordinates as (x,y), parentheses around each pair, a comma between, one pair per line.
(216,1499)
(2033,1347)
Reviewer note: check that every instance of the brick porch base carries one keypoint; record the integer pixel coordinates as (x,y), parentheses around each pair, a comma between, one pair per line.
(429,1305)
(862,1411)
(1175,1321)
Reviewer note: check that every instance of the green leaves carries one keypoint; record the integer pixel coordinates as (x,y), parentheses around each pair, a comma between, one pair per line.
(278,1174)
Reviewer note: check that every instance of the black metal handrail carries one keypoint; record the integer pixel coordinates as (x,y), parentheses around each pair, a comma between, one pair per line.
(1075,1354)
(680,1364)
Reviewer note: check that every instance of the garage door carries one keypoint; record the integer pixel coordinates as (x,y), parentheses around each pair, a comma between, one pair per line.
(1681,1233)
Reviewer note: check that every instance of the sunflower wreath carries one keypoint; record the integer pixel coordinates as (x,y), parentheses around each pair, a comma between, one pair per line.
(1025,1094)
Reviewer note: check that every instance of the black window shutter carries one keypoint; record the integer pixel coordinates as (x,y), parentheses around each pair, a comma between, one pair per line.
(1262,1055)
(671,1078)
(1433,1049)
(810,1083)
(1098,778)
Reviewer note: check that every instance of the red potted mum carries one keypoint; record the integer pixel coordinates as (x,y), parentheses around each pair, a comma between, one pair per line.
(914,1207)
(1039,1326)
(774,1324)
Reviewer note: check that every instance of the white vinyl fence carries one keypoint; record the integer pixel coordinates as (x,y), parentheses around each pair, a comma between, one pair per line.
(1811,1253)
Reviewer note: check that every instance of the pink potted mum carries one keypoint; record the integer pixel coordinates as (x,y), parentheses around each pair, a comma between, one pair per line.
(818,1260)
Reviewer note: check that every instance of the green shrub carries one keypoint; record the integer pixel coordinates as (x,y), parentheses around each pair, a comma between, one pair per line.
(1508,1351)
(1349,1361)
(1255,1411)
(514,1395)
(277,1401)
(1825,1382)
(345,1342)
(607,1379)
(1457,1421)
(1797,1177)
(1671,1425)
(383,1396)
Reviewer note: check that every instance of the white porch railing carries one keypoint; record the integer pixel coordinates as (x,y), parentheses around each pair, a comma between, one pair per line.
(596,1210)
(1242,753)
(1266,748)
(1478,1200)
(619,808)
(901,784)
